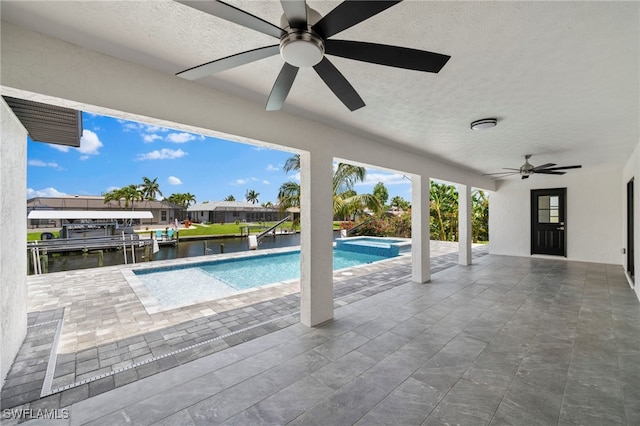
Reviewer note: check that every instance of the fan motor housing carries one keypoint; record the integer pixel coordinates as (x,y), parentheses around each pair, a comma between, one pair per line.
(302,48)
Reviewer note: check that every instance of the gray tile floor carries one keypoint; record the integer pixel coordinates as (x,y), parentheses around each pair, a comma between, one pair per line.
(508,340)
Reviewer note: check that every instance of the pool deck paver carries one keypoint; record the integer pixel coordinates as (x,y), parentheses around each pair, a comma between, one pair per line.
(134,344)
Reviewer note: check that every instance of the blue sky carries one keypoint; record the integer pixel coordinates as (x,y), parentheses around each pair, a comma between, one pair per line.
(114,153)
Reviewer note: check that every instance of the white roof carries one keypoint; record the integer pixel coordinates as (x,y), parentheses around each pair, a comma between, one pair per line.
(229,206)
(89,214)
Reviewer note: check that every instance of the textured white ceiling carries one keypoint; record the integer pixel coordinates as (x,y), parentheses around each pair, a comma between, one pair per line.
(561,77)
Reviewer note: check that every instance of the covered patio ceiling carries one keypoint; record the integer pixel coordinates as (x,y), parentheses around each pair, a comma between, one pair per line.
(561,78)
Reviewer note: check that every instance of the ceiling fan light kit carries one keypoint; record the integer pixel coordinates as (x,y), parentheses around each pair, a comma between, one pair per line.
(301,48)
(485,123)
(304,42)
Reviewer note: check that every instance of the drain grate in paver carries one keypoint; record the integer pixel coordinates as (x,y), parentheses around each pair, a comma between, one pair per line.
(27,375)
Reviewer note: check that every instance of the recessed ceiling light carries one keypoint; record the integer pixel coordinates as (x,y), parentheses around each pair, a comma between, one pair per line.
(485,123)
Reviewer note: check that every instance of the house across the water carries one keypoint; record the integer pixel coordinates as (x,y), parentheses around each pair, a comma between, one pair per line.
(163,212)
(232,211)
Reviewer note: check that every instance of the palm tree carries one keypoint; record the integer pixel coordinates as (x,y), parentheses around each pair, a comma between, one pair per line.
(444,211)
(229,198)
(289,195)
(252,196)
(345,200)
(400,203)
(479,216)
(114,195)
(292,163)
(131,194)
(150,188)
(189,199)
(182,200)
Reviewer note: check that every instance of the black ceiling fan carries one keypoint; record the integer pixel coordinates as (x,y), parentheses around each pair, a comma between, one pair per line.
(527,169)
(304,42)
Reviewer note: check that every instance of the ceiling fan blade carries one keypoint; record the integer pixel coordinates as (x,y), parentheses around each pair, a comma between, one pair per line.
(500,173)
(229,62)
(509,168)
(281,87)
(349,13)
(235,15)
(544,166)
(296,13)
(547,172)
(338,84)
(503,176)
(564,168)
(382,54)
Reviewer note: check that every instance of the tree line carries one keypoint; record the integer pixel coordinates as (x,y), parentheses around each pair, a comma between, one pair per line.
(384,219)
(147,190)
(347,204)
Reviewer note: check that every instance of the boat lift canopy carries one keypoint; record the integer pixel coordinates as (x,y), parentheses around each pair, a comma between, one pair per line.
(89,214)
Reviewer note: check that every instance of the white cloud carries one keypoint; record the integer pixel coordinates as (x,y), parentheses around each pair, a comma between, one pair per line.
(162,154)
(40,163)
(246,180)
(266,182)
(129,126)
(152,128)
(180,137)
(84,157)
(174,180)
(47,192)
(272,168)
(112,188)
(151,137)
(89,143)
(387,179)
(61,148)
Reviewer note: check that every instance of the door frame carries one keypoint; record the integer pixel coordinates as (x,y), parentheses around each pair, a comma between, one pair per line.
(562,222)
(630,231)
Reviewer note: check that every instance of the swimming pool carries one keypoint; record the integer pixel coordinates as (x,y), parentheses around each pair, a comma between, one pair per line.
(175,286)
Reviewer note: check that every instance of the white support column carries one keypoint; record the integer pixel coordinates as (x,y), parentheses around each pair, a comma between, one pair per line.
(420,235)
(316,242)
(13,245)
(464,224)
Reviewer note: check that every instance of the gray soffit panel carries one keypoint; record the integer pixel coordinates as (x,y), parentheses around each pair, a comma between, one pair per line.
(48,123)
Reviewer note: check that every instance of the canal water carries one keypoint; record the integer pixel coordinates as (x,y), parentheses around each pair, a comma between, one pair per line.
(185,248)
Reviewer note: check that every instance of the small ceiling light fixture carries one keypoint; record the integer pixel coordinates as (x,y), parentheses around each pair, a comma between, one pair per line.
(485,123)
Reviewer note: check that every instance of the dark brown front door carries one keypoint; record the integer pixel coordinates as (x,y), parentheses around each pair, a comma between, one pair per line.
(548,221)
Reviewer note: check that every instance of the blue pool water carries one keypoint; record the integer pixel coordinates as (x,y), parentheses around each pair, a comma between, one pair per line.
(187,284)
(386,247)
(252,272)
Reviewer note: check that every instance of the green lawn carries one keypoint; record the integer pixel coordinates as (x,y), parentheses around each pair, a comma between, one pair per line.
(226,229)
(199,230)
(33,236)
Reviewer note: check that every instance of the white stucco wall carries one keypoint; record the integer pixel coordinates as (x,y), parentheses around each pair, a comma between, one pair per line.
(594,214)
(13,246)
(632,171)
